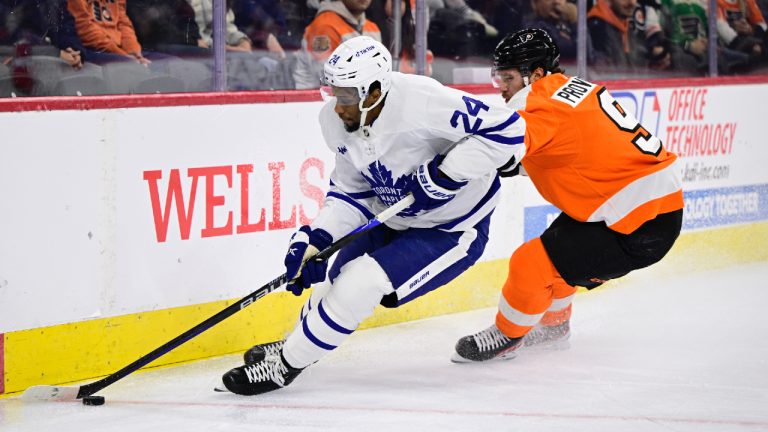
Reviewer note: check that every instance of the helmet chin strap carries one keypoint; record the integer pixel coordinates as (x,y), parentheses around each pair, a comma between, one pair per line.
(364,131)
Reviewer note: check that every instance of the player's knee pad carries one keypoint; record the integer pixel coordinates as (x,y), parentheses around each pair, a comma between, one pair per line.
(356,291)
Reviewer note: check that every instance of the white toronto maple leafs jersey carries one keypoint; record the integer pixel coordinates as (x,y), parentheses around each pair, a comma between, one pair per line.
(420,119)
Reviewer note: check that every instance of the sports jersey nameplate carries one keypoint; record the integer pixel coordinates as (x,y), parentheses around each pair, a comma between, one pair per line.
(573,91)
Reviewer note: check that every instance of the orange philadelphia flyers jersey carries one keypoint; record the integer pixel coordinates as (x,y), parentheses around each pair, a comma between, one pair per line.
(592,159)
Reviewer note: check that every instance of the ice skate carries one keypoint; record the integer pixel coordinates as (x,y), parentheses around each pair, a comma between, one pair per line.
(489,344)
(259,352)
(270,374)
(548,337)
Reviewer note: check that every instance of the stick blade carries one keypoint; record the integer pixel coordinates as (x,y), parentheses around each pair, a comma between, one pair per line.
(42,393)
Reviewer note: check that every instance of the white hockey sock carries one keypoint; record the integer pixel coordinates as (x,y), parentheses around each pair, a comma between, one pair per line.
(352,298)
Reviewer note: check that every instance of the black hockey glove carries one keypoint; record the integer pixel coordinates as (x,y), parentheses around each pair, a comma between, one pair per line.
(431,188)
(301,271)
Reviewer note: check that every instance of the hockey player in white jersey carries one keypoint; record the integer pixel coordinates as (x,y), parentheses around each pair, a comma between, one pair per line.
(393,135)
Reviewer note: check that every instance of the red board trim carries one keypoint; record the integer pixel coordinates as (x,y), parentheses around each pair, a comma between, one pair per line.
(283,96)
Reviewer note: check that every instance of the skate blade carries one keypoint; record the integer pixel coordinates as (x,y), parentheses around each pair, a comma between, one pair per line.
(456,358)
(221,388)
(549,346)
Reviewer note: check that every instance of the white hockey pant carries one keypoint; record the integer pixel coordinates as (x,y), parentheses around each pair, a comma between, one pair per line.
(334,311)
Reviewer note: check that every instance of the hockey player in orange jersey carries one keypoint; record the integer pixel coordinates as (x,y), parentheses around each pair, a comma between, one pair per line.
(618,189)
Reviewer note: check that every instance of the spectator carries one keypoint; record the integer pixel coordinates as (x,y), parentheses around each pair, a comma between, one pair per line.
(507,15)
(614,38)
(741,27)
(167,26)
(298,15)
(60,30)
(106,31)
(648,27)
(335,22)
(558,18)
(237,41)
(465,12)
(407,37)
(30,24)
(680,28)
(458,31)
(263,21)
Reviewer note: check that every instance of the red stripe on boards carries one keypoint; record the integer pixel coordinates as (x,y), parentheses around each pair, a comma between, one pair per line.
(60,103)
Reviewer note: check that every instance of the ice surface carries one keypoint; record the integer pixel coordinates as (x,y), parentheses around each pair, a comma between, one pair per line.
(688,353)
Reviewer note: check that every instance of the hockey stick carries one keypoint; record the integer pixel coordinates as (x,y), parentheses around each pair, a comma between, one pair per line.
(70,393)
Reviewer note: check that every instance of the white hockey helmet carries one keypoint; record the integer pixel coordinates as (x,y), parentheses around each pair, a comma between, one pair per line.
(358,63)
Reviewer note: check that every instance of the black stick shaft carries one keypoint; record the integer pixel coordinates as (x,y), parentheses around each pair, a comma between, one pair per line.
(91,388)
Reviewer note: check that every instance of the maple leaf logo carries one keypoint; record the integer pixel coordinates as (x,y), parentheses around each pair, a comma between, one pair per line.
(388,191)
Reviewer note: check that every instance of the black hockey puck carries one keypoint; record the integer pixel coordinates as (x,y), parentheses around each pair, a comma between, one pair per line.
(93,400)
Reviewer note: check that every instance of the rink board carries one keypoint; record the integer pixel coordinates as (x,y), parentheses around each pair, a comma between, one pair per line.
(88,349)
(108,255)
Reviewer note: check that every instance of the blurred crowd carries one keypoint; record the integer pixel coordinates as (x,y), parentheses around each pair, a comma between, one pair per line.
(62,47)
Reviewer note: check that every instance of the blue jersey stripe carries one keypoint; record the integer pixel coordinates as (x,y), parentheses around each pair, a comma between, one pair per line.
(358,195)
(361,208)
(495,186)
(511,120)
(505,140)
(502,139)
(312,338)
(329,322)
(362,195)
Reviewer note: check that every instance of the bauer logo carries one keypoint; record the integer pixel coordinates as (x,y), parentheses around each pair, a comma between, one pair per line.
(418,280)
(334,59)
(247,302)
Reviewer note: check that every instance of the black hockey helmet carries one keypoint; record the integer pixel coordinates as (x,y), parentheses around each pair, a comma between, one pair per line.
(525,50)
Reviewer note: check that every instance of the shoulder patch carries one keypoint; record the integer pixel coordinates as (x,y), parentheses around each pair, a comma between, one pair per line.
(573,91)
(321,43)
